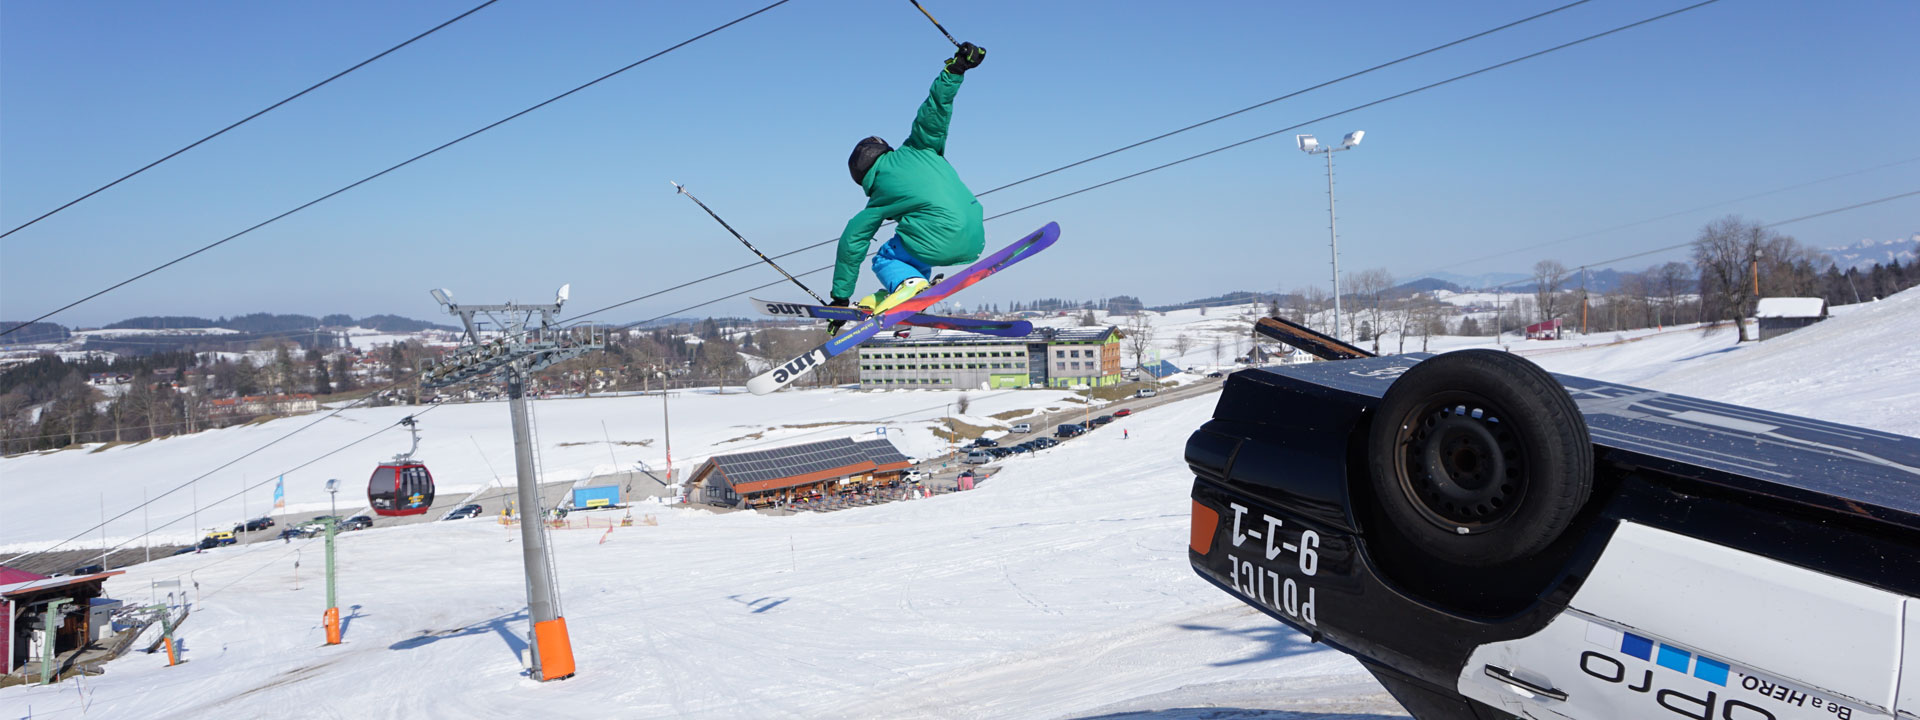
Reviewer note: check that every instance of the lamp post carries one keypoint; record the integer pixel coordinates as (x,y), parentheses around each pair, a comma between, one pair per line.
(333,488)
(1311,146)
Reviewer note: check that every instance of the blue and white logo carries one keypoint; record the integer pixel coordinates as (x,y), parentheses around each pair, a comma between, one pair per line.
(1659,653)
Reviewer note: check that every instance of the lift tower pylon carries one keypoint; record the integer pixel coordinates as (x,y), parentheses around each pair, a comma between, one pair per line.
(521,348)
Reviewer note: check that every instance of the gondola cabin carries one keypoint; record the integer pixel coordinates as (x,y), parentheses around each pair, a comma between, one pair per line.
(400,489)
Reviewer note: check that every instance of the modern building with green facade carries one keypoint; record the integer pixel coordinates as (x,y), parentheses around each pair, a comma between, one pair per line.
(949,359)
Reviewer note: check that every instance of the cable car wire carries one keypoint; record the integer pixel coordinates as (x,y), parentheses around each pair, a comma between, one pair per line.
(243,121)
(1637,223)
(1423,88)
(1677,246)
(224,466)
(1363,106)
(1295,93)
(402,164)
(1530,56)
(432,407)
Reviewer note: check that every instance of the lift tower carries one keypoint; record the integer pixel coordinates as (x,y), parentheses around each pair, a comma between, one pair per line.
(522,347)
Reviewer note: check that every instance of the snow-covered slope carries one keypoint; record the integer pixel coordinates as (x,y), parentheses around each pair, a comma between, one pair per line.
(1860,367)
(50,496)
(1059,588)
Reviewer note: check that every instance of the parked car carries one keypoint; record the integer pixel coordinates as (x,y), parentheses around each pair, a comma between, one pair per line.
(1102,420)
(1123,412)
(1216,374)
(1021,428)
(913,477)
(1043,442)
(187,549)
(88,570)
(979,456)
(357,522)
(225,537)
(985,442)
(295,533)
(463,512)
(324,518)
(260,523)
(1146,392)
(1070,430)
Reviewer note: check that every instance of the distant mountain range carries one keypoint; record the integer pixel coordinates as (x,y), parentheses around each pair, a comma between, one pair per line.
(1598,281)
(1476,282)
(1867,251)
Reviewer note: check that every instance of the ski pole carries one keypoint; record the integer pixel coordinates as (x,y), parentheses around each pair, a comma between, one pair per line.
(936,23)
(743,241)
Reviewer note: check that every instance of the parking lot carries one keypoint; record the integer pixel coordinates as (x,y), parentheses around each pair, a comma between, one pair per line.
(944,471)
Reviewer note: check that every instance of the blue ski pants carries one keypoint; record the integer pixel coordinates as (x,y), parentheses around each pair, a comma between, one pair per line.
(894,264)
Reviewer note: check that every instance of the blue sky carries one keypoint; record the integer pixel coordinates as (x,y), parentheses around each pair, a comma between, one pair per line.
(1732,99)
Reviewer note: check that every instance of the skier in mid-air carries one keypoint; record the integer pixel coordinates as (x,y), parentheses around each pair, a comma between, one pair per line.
(939,219)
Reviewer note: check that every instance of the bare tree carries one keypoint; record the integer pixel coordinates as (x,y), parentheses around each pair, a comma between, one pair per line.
(1182,343)
(1724,251)
(1311,300)
(1548,278)
(1424,315)
(1668,280)
(1369,289)
(1218,345)
(962,403)
(1139,337)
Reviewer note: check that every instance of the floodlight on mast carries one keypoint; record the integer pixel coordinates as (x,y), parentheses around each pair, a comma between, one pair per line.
(1311,146)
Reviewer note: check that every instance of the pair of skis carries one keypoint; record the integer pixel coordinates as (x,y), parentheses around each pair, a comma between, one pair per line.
(870,325)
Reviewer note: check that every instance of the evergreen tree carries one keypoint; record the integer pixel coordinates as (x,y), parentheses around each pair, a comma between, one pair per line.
(343,374)
(322,382)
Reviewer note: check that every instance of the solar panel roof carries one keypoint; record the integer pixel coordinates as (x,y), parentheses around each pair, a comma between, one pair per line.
(882,452)
(759,465)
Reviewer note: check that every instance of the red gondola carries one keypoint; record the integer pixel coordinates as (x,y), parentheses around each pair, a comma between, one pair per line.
(403,486)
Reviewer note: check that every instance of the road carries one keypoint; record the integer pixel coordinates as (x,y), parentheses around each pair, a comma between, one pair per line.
(944,472)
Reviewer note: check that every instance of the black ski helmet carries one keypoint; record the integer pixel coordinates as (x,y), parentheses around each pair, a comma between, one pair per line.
(864,155)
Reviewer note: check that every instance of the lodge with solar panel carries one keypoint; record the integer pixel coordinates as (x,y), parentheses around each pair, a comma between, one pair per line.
(1050,357)
(765,477)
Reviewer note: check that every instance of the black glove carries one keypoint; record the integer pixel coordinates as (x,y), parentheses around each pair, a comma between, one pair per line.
(966,58)
(833,326)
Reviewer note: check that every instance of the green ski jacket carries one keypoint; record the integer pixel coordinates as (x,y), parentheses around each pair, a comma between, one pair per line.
(939,218)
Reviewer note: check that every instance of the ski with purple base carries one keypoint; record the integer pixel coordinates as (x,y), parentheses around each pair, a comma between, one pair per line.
(785,373)
(997,328)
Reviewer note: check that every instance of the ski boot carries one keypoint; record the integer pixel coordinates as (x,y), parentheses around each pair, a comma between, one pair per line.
(907,289)
(881,301)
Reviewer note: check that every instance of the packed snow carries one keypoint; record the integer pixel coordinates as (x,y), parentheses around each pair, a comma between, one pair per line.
(1059,588)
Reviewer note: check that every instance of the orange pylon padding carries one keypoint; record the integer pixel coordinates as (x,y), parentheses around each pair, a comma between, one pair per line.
(172,660)
(556,650)
(333,626)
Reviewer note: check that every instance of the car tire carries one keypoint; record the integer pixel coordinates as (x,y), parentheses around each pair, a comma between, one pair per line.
(1479,457)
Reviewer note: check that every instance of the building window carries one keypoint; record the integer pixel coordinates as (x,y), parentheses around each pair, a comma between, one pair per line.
(1059,353)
